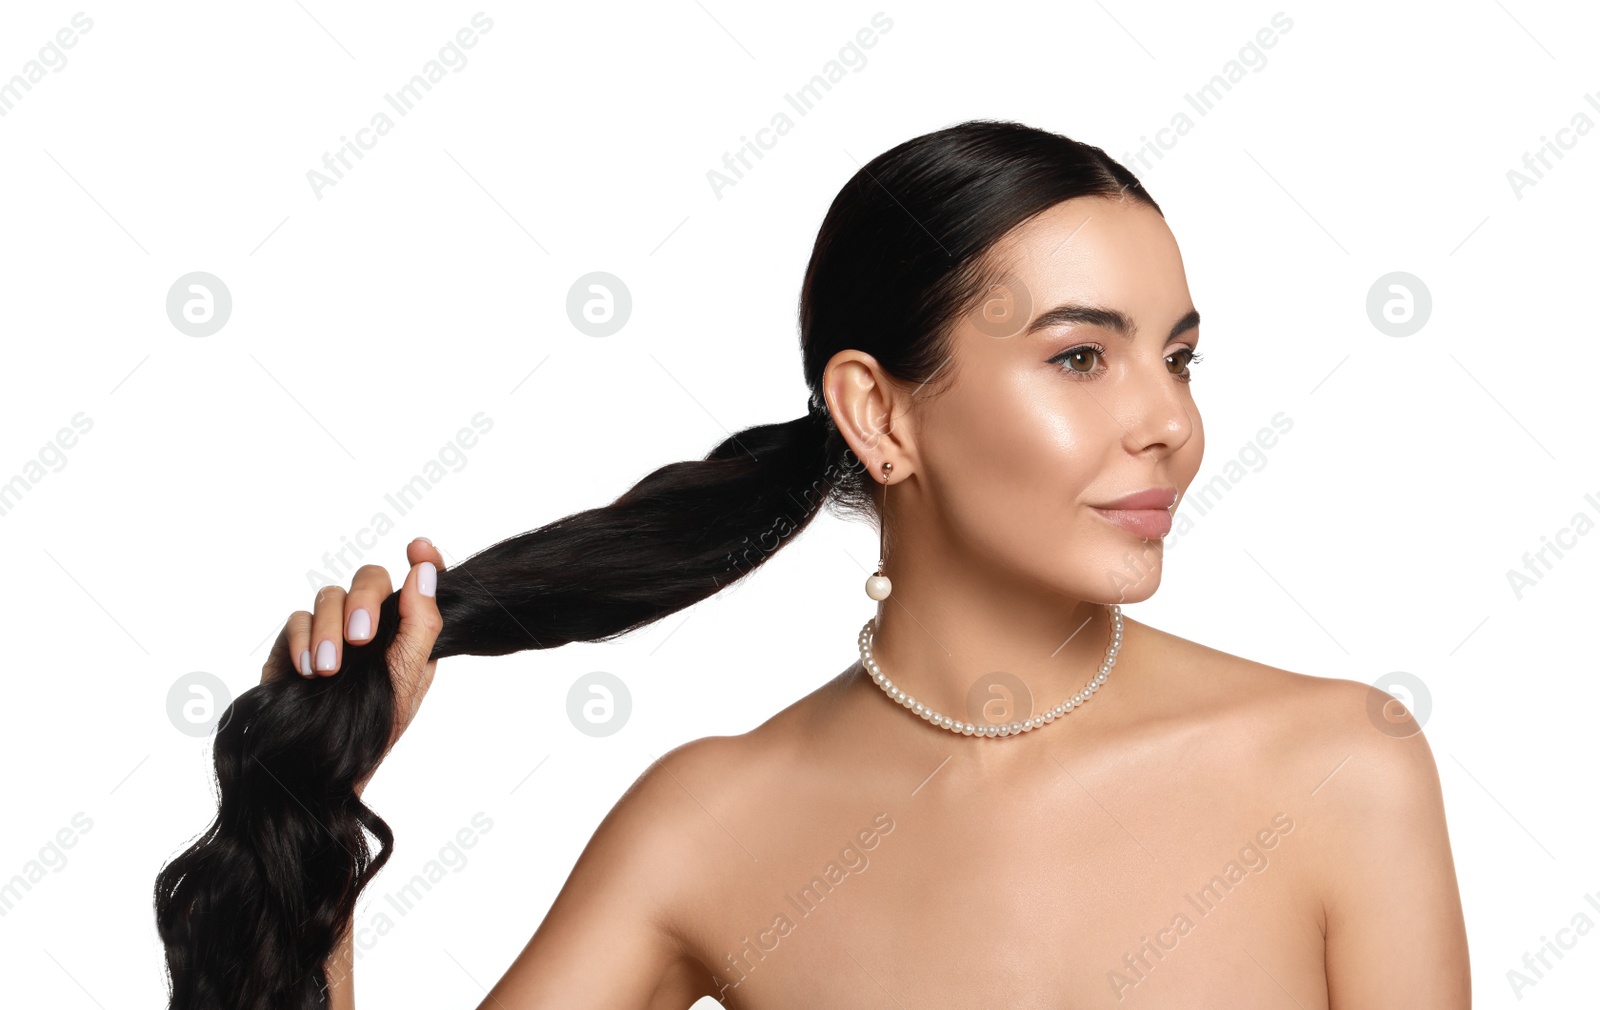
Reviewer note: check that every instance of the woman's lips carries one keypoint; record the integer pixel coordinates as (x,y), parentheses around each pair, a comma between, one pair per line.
(1151,524)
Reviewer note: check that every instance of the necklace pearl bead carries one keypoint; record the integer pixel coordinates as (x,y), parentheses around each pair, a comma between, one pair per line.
(925,712)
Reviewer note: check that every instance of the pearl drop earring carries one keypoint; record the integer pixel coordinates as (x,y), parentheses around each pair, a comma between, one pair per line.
(878,585)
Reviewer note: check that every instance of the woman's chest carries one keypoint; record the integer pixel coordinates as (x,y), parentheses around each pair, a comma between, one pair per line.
(1044,898)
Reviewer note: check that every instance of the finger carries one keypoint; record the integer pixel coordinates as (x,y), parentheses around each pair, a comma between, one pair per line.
(422,549)
(327,630)
(420,622)
(297,637)
(368,589)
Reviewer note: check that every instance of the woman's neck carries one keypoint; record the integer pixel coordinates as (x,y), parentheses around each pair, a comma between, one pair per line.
(984,655)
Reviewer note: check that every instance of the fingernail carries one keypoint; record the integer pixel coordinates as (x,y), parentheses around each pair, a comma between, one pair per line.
(427,578)
(426,541)
(360,624)
(325,657)
(305,663)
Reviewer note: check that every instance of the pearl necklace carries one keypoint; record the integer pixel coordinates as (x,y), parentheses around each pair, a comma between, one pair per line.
(986,729)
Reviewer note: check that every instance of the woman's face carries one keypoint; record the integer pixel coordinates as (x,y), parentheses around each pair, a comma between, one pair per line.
(1070,392)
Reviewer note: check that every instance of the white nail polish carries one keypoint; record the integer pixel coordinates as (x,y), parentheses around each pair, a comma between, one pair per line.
(427,578)
(305,663)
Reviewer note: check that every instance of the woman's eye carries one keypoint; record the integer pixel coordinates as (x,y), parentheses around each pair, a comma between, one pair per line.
(1183,359)
(1080,360)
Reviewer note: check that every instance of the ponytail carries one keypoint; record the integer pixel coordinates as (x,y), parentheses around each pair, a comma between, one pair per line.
(252,910)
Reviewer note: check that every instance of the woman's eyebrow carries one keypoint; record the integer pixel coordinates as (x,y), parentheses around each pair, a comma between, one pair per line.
(1110,319)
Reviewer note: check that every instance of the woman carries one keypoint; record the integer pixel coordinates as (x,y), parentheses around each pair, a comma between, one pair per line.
(998,334)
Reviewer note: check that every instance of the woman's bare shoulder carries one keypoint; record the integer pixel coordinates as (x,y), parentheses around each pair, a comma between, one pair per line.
(1249,681)
(1306,724)
(705,779)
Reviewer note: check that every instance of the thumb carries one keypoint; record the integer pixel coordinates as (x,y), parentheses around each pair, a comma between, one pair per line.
(407,655)
(420,621)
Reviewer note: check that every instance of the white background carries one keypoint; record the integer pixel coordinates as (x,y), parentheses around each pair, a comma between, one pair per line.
(429,284)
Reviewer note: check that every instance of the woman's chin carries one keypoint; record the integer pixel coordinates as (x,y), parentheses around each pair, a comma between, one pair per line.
(1128,573)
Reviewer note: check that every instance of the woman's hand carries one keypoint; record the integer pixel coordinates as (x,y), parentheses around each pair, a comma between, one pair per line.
(316,641)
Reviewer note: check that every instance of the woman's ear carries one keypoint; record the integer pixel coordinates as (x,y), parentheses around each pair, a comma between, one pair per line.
(870,411)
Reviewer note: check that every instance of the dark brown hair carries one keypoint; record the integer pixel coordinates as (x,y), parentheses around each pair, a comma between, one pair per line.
(249,912)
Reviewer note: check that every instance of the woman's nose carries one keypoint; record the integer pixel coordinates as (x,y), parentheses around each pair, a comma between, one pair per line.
(1160,415)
